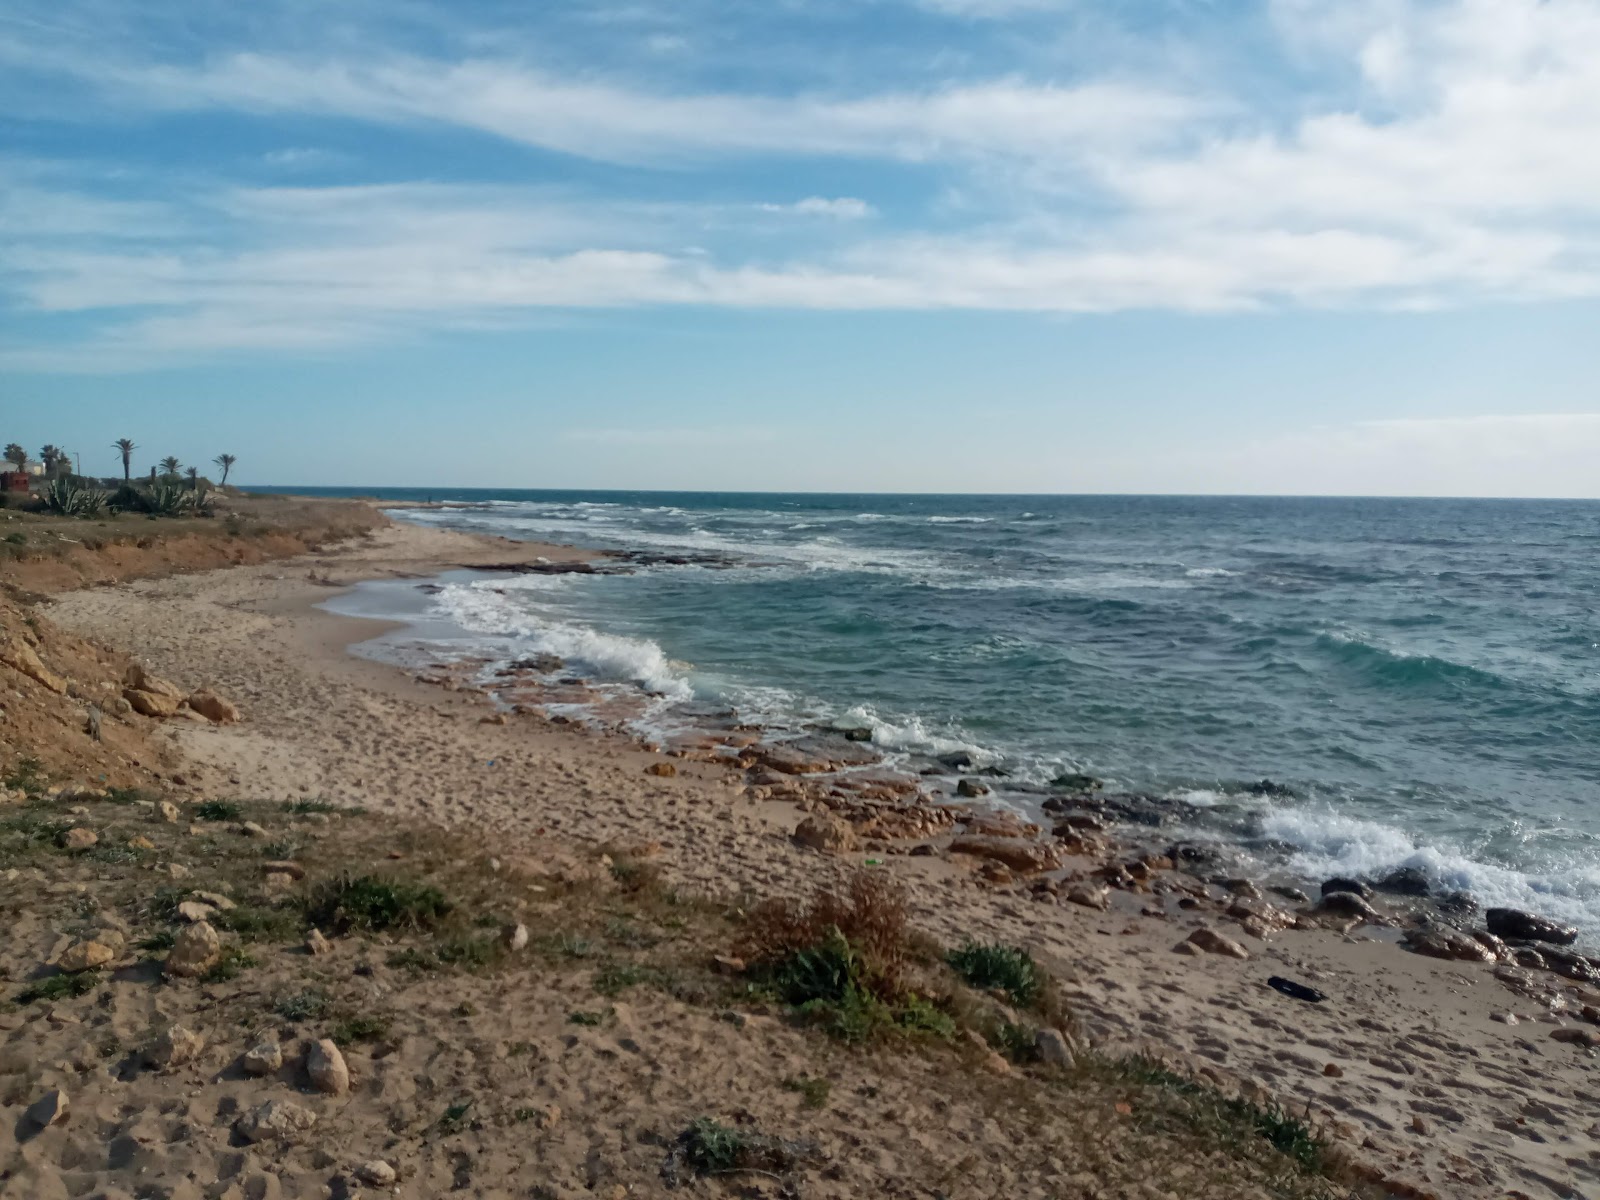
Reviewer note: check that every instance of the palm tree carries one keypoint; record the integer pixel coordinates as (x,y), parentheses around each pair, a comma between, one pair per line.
(194,478)
(51,457)
(17,456)
(225,461)
(170,465)
(126,448)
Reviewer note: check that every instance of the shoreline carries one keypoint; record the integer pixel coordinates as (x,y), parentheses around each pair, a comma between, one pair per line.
(322,721)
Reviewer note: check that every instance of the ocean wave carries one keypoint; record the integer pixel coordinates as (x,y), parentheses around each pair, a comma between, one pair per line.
(1208,572)
(1399,668)
(483,608)
(912,735)
(960,520)
(1330,844)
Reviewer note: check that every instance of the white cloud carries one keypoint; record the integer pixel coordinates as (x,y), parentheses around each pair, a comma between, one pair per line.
(843,208)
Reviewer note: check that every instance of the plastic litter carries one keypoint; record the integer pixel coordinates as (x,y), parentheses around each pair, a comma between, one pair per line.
(1298,990)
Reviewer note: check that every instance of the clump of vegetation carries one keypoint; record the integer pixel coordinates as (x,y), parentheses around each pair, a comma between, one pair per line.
(67,497)
(994,967)
(813,1090)
(234,959)
(259,922)
(363,1027)
(59,987)
(586,1018)
(301,808)
(301,1006)
(841,961)
(709,1147)
(218,810)
(373,904)
(27,775)
(455,1117)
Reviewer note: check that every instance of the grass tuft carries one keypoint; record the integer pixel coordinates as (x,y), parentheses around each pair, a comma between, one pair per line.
(218,810)
(302,1006)
(813,1090)
(59,987)
(994,967)
(373,903)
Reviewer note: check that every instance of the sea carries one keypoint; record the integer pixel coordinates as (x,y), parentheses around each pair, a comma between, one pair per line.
(1418,679)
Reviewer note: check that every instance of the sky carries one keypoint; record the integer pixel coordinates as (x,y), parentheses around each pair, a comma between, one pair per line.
(1222,246)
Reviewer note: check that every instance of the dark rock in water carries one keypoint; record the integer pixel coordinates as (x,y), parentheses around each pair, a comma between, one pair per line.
(1190,854)
(1267,787)
(1075,781)
(1338,884)
(959,760)
(1290,893)
(1458,904)
(1406,881)
(971,789)
(1569,965)
(1518,926)
(857,735)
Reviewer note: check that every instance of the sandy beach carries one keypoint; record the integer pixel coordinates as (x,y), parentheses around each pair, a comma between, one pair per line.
(1438,1076)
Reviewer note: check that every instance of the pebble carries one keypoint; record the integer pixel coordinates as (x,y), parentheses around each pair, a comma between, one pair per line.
(1213,942)
(174,1046)
(317,944)
(276,1120)
(49,1108)
(376,1173)
(262,1059)
(515,937)
(169,811)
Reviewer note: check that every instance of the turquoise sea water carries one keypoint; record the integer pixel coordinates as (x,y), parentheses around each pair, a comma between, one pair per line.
(1423,675)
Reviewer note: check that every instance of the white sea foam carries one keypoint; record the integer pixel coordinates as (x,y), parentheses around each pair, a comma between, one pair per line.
(1333,844)
(482,608)
(911,734)
(960,520)
(1199,797)
(1208,572)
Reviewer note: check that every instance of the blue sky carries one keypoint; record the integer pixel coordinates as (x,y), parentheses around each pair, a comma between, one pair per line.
(1329,246)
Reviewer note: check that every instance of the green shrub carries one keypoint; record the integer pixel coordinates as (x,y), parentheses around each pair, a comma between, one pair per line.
(994,967)
(372,903)
(27,775)
(59,987)
(218,810)
(301,1006)
(67,497)
(364,1027)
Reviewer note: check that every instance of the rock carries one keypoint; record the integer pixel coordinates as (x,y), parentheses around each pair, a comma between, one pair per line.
(284,867)
(665,770)
(176,871)
(151,704)
(1244,909)
(1213,942)
(251,829)
(78,838)
(515,937)
(1573,1035)
(971,789)
(376,1173)
(20,656)
(326,1069)
(174,1046)
(1075,781)
(276,1120)
(1458,904)
(1053,1048)
(1089,896)
(1341,884)
(49,1109)
(140,843)
(1333,1071)
(825,832)
(262,1059)
(1347,905)
(1518,926)
(140,680)
(317,944)
(215,899)
(1026,857)
(1187,948)
(213,707)
(195,951)
(193,910)
(1440,941)
(168,810)
(1291,893)
(278,882)
(1406,881)
(85,956)
(1569,965)
(494,719)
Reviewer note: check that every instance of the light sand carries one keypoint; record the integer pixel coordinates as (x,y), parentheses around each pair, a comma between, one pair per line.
(1404,1056)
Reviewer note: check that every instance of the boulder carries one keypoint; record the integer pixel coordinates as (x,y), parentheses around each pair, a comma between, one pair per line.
(276,1121)
(1341,884)
(137,679)
(168,811)
(1213,942)
(1053,1048)
(20,657)
(1406,881)
(326,1070)
(174,1046)
(1440,941)
(193,910)
(1517,926)
(376,1173)
(195,951)
(825,832)
(1344,904)
(85,956)
(1026,857)
(213,707)
(263,1058)
(1088,896)
(151,704)
(664,770)
(78,838)
(971,789)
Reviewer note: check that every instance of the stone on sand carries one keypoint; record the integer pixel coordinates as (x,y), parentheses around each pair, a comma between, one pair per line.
(173,1046)
(317,944)
(88,955)
(276,1120)
(326,1069)
(1053,1048)
(376,1173)
(213,707)
(195,951)
(48,1109)
(263,1058)
(825,832)
(1213,942)
(20,657)
(78,838)
(168,811)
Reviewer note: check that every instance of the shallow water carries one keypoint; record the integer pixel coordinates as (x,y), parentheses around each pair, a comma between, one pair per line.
(1424,675)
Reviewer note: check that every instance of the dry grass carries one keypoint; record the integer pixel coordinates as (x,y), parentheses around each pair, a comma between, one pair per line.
(870,915)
